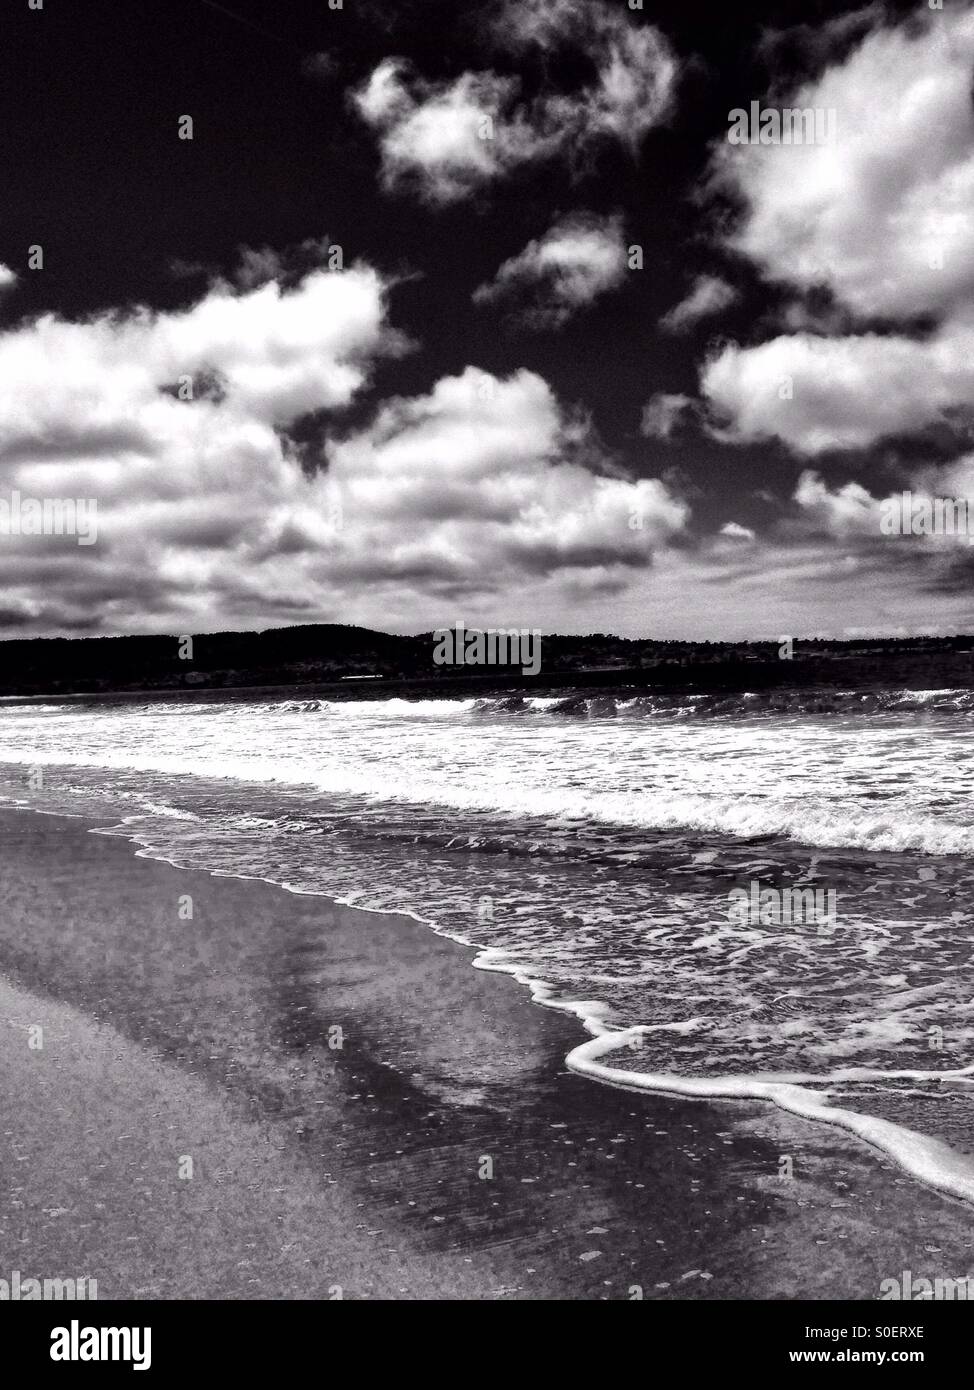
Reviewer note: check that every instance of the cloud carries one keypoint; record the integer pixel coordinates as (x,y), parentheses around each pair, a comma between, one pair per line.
(8,278)
(275,353)
(482,479)
(816,393)
(258,265)
(829,560)
(872,216)
(852,511)
(109,409)
(708,295)
(663,413)
(809,46)
(184,429)
(636,71)
(579,258)
(883,222)
(445,139)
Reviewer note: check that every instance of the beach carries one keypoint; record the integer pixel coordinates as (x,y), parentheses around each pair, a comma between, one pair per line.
(369,1116)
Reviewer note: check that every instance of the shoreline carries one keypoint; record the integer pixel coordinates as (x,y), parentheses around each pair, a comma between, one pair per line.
(933,1164)
(594,1192)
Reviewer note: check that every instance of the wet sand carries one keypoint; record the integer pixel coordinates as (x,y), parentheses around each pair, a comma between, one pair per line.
(369,1116)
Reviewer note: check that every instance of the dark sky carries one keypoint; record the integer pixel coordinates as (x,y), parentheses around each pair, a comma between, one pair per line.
(129,215)
(91,94)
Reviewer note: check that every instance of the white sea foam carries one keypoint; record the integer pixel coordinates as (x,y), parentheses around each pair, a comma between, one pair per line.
(931,1162)
(750,795)
(642,943)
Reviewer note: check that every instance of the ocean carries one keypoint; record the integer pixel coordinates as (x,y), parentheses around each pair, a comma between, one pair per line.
(599,849)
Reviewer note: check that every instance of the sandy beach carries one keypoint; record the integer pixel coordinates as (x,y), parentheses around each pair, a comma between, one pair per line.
(367,1115)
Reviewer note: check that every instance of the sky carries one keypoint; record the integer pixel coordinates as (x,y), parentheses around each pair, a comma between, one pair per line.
(420,313)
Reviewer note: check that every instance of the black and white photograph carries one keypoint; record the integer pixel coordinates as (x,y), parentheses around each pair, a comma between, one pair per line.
(487,668)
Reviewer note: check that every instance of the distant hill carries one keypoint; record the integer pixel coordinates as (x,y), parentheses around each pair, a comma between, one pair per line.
(328,655)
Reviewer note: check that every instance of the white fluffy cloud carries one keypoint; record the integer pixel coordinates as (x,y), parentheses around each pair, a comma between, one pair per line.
(211,513)
(481,479)
(636,70)
(186,485)
(853,511)
(578,259)
(845,511)
(269,355)
(883,219)
(446,139)
(663,413)
(708,295)
(885,216)
(736,531)
(817,393)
